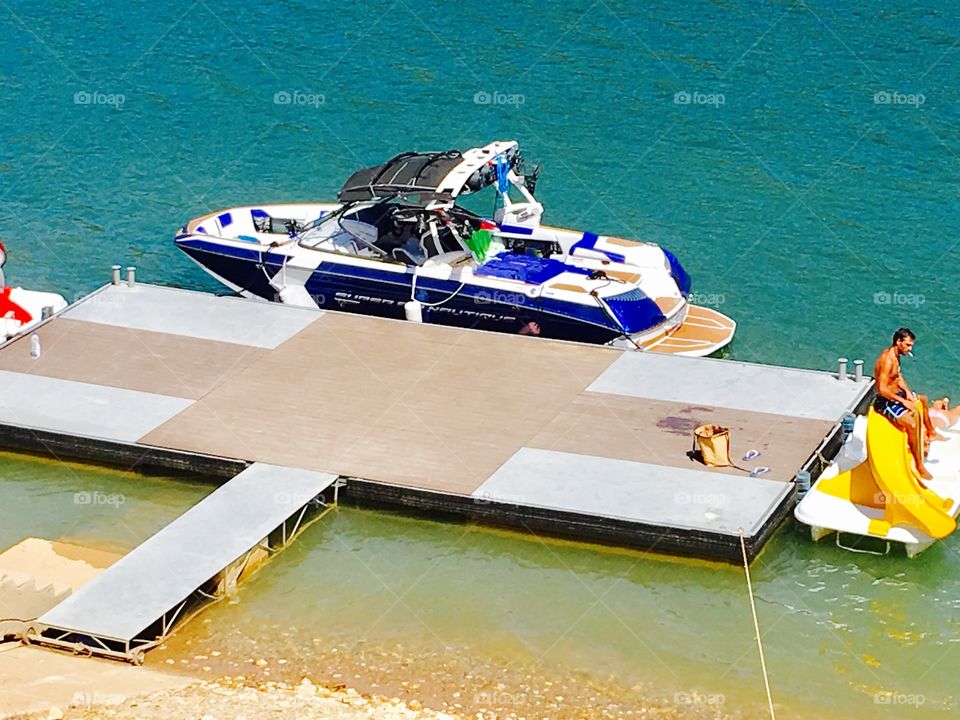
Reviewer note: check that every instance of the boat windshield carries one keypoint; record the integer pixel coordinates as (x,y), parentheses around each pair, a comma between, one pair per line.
(342,232)
(396,230)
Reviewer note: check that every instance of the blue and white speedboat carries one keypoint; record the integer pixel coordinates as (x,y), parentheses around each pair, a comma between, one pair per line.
(398,244)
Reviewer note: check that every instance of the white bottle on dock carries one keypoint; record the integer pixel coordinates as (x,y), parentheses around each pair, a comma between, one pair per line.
(35,346)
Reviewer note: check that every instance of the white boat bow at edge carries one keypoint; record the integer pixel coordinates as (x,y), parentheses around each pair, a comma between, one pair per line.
(21,310)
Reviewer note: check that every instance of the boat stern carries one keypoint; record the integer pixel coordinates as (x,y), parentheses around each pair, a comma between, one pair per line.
(700,332)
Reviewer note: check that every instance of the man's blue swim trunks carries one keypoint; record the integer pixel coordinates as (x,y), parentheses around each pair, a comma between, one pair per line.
(890,408)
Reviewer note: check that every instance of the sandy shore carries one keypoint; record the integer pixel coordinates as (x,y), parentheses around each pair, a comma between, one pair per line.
(236,700)
(46,685)
(34,679)
(42,684)
(36,574)
(206,700)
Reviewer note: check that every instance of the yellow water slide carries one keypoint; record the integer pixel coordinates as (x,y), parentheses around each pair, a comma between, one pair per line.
(905,499)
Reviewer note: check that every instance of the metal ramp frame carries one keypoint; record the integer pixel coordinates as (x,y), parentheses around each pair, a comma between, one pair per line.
(134,604)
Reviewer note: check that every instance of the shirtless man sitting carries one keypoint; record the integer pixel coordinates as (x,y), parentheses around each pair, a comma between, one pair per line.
(896,401)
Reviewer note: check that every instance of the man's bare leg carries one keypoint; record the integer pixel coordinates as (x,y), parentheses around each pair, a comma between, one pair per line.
(908,424)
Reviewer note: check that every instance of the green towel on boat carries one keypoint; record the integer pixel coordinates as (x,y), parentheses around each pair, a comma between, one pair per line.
(479,244)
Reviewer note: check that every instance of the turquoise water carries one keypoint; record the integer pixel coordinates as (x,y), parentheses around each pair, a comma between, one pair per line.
(818,217)
(794,202)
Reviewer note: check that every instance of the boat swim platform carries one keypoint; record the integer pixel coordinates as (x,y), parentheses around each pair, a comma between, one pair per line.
(134,604)
(554,437)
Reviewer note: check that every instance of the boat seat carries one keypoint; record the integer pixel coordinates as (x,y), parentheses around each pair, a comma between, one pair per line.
(344,243)
(430,244)
(403,256)
(412,252)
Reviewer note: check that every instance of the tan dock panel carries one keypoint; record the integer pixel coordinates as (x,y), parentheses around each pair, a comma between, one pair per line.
(120,357)
(396,402)
(420,406)
(660,432)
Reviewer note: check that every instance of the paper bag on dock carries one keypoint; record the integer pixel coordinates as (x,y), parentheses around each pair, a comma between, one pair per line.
(713,442)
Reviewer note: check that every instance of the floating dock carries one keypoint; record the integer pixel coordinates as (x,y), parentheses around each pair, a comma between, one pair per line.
(551,437)
(134,604)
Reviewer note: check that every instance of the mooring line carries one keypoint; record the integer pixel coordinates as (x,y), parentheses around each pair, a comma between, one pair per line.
(756,623)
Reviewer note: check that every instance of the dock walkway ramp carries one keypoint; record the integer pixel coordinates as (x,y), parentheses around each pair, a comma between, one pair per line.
(135,602)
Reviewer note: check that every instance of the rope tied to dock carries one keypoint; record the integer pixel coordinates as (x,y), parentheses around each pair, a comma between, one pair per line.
(756,623)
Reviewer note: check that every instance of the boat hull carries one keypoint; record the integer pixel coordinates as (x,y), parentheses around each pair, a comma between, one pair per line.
(384,293)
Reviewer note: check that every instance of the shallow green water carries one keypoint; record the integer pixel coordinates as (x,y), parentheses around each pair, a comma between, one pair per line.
(108,509)
(838,628)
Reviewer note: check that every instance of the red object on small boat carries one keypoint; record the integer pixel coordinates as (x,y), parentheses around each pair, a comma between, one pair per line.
(9,309)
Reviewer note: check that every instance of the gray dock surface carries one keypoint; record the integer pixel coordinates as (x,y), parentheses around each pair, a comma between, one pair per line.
(154,578)
(556,437)
(632,491)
